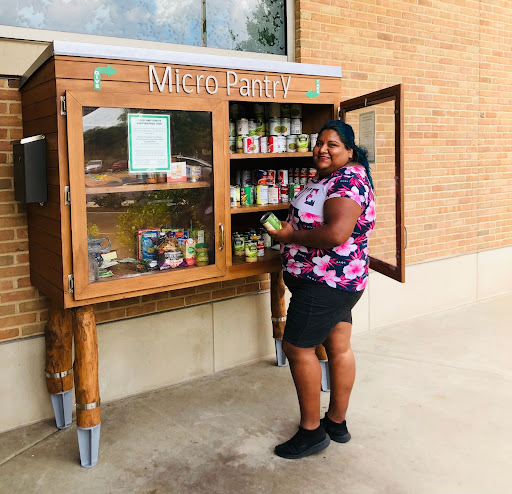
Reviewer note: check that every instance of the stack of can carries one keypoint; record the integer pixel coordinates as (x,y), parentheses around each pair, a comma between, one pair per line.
(251,244)
(276,130)
(264,187)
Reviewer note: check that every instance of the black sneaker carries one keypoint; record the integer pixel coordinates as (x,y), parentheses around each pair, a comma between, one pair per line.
(337,432)
(304,443)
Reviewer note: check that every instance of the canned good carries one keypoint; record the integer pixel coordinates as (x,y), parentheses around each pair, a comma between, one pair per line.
(263,145)
(313,139)
(246,198)
(260,128)
(296,126)
(256,144)
(270,221)
(296,110)
(239,246)
(252,127)
(261,247)
(246,177)
(285,190)
(260,177)
(282,176)
(302,143)
(275,126)
(291,144)
(232,129)
(295,190)
(281,144)
(274,110)
(239,144)
(271,177)
(273,195)
(311,173)
(249,144)
(202,255)
(261,195)
(251,251)
(272,144)
(285,126)
(286,110)
(151,178)
(304,173)
(232,145)
(242,127)
(234,195)
(259,112)
(267,239)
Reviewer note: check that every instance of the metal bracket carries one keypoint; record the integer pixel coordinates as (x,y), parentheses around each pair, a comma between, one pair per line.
(67,195)
(71,283)
(88,406)
(58,375)
(63,110)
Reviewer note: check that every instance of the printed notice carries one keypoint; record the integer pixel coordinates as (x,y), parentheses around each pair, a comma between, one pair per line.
(367,133)
(149,143)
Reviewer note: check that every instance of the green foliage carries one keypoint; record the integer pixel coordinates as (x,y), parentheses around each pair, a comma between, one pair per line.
(92,230)
(109,201)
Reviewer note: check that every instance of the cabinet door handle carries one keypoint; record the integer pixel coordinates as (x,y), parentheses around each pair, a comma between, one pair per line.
(221,226)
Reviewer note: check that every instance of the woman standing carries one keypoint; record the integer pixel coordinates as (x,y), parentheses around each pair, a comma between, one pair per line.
(324,250)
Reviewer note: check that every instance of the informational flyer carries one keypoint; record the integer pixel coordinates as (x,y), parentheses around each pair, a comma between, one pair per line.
(367,133)
(149,143)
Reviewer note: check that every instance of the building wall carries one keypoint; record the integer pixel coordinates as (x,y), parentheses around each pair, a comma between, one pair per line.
(454,60)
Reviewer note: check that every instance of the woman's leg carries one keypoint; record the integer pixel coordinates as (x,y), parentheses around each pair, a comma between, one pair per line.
(307,376)
(342,370)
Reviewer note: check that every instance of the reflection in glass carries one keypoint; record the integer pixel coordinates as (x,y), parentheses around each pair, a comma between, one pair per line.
(153,20)
(147,223)
(383,240)
(247,25)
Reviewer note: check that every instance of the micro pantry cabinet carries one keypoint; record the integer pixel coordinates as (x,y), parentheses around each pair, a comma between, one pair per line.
(139,170)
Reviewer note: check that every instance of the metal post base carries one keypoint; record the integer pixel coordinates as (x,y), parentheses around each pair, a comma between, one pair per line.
(89,445)
(280,356)
(63,408)
(326,380)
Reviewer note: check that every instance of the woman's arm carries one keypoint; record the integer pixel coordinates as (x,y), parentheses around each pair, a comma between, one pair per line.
(340,217)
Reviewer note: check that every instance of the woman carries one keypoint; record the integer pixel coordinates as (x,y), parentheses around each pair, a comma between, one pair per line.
(324,250)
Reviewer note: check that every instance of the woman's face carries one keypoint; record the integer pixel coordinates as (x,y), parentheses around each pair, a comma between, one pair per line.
(329,153)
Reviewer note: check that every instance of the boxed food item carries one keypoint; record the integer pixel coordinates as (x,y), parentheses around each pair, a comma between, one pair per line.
(147,238)
(178,172)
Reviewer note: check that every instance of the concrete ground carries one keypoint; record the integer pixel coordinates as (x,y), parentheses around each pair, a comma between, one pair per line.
(430,413)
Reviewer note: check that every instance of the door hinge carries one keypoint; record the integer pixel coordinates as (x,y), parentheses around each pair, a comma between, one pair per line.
(71,283)
(63,105)
(67,195)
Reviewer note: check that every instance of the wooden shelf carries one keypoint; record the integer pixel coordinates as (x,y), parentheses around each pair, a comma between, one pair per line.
(269,155)
(271,261)
(145,187)
(255,208)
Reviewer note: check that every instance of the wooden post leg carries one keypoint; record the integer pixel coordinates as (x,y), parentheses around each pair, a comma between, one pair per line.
(87,390)
(324,364)
(277,290)
(58,335)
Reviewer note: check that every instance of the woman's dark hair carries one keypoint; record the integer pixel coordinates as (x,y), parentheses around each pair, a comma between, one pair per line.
(346,134)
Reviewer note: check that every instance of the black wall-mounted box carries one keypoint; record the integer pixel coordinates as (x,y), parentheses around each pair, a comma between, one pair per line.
(29,156)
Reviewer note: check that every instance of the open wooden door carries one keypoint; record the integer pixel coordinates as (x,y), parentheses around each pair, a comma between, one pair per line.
(377,120)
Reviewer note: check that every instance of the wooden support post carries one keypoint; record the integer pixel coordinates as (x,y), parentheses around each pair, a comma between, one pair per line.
(278,307)
(87,389)
(320,352)
(58,336)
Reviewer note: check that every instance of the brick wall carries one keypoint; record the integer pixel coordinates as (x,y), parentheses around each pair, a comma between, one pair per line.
(454,59)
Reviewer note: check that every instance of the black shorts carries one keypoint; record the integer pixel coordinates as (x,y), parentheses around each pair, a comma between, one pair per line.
(314,310)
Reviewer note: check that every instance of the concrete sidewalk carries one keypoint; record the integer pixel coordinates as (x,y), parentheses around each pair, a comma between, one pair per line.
(430,413)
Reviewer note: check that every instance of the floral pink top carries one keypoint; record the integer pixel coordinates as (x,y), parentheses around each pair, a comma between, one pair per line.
(345,266)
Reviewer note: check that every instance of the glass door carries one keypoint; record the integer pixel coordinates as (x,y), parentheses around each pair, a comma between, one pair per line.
(147,191)
(377,120)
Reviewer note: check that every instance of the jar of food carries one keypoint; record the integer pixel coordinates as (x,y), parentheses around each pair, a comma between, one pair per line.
(202,258)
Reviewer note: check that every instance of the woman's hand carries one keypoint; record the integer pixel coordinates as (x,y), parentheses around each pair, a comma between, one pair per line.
(283,236)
